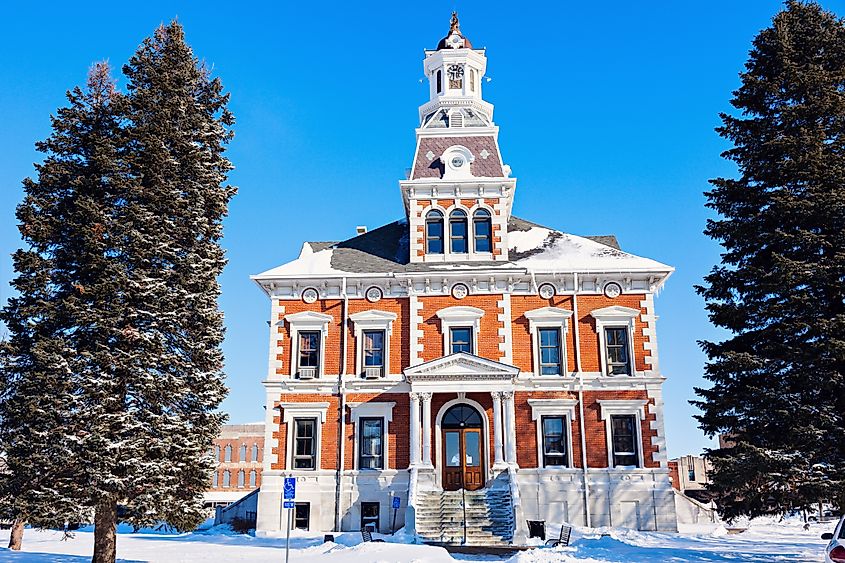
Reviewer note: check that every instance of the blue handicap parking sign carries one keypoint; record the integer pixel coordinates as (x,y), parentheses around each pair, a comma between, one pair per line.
(289,504)
(290,488)
(396,502)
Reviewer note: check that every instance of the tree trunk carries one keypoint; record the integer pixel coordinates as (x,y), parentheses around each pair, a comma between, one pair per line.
(105,532)
(16,537)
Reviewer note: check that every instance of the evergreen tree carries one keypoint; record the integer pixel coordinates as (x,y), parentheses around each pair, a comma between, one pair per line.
(131,373)
(779,380)
(62,220)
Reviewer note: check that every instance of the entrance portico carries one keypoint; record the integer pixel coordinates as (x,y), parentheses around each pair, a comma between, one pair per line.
(459,375)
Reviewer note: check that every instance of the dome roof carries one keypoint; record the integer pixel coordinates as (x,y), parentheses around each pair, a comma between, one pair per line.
(454,39)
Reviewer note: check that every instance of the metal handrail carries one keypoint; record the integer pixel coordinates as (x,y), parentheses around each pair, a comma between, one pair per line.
(464,505)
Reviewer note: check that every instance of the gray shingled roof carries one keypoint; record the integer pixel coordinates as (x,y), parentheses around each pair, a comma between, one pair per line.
(385,249)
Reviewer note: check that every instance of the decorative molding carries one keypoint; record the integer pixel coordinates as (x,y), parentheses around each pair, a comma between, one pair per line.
(548,317)
(459,316)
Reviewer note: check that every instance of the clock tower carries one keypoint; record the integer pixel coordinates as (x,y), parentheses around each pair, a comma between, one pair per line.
(459,193)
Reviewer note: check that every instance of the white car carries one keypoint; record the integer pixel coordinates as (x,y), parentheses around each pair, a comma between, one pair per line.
(835,550)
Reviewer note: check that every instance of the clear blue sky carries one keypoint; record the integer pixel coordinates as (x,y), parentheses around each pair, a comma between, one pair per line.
(606,113)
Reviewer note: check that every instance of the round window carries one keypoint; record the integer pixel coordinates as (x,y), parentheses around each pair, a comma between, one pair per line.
(457,161)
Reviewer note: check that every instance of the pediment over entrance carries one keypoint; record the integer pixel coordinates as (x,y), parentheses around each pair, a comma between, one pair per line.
(461,367)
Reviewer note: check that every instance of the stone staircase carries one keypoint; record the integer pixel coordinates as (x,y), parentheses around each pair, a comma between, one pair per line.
(489,517)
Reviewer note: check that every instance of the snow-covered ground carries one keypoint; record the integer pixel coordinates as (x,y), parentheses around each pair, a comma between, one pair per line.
(766,540)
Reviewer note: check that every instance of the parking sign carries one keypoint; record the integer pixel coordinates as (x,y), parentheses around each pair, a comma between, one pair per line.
(396,502)
(290,488)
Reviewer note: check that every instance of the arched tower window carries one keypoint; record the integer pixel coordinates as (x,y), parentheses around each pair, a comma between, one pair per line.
(482,230)
(434,232)
(439,82)
(458,232)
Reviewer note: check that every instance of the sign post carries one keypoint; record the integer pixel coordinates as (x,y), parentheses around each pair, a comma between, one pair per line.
(289,504)
(396,502)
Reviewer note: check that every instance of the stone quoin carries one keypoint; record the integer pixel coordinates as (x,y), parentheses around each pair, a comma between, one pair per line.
(462,347)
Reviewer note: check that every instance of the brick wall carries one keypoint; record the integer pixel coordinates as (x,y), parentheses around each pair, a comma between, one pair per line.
(523,356)
(488,339)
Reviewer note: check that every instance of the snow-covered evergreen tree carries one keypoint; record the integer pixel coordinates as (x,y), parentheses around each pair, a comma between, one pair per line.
(779,381)
(118,357)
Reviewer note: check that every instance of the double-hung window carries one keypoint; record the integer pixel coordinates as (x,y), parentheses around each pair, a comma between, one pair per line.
(302,516)
(460,339)
(371,443)
(623,428)
(305,443)
(374,351)
(618,354)
(370,516)
(458,232)
(549,351)
(554,441)
(309,353)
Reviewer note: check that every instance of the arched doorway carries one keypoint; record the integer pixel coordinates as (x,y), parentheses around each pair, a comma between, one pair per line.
(463,448)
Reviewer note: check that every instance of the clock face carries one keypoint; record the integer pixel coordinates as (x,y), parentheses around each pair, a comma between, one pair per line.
(456,72)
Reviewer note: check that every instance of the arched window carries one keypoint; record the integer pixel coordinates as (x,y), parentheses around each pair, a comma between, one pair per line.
(482,227)
(255,452)
(214,478)
(228,454)
(458,232)
(241,479)
(434,232)
(252,479)
(243,453)
(472,80)
(227,478)
(439,82)
(461,416)
(216,453)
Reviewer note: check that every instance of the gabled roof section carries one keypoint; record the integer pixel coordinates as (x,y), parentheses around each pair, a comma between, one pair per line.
(534,247)
(460,366)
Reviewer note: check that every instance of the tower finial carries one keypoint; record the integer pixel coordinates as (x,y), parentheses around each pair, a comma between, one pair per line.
(454,25)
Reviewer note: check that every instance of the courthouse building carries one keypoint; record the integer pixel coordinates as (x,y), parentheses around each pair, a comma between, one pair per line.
(461,348)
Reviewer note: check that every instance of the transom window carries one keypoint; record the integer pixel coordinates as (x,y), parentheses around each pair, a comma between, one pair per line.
(371,443)
(460,339)
(624,440)
(461,416)
(309,349)
(373,348)
(482,230)
(550,351)
(618,355)
(554,441)
(434,232)
(305,443)
(458,232)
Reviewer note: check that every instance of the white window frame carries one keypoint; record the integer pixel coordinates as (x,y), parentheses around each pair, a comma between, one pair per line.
(549,317)
(372,409)
(553,407)
(307,321)
(291,411)
(372,319)
(457,317)
(616,317)
(634,407)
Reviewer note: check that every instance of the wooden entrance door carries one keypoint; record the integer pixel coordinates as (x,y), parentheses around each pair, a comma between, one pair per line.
(463,448)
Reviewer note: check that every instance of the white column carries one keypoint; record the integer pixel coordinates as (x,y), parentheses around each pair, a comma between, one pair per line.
(498,459)
(414,433)
(426,429)
(510,427)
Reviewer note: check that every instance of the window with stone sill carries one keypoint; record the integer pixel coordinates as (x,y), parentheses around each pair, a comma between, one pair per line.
(554,441)
(241,479)
(227,478)
(460,339)
(374,349)
(624,430)
(255,452)
(434,232)
(227,454)
(309,349)
(482,230)
(616,347)
(305,443)
(458,232)
(550,353)
(243,453)
(371,443)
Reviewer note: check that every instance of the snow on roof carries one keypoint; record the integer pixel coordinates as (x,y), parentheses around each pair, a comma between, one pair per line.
(534,247)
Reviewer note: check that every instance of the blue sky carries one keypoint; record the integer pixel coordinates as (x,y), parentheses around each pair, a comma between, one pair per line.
(606,113)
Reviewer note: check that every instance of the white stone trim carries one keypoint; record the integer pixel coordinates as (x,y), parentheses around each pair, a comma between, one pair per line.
(649,320)
(372,319)
(416,333)
(553,407)
(276,314)
(634,407)
(506,331)
(371,409)
(459,316)
(656,408)
(292,411)
(548,317)
(308,321)
(616,316)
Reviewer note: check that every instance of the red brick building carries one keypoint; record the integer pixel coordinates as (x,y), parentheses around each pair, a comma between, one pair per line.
(239,452)
(464,347)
